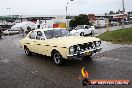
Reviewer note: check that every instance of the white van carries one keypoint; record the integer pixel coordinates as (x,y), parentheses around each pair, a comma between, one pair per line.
(23,25)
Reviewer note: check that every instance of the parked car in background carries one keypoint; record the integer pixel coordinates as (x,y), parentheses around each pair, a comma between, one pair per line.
(59,44)
(10,32)
(83,30)
(126,22)
(100,23)
(23,26)
(112,23)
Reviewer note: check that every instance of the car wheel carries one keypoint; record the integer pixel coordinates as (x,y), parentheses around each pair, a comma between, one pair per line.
(27,51)
(81,34)
(57,58)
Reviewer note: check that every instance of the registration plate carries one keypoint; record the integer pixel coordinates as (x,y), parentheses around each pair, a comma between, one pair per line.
(87,53)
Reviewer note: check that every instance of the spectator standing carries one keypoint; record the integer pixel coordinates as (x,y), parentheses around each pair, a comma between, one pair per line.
(28,29)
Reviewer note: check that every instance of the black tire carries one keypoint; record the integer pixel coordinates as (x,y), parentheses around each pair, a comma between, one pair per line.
(81,34)
(57,58)
(27,51)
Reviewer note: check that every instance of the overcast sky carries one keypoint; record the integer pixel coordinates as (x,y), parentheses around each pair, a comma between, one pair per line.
(58,7)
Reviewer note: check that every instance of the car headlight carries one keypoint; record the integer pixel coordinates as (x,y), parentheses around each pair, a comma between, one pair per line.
(93,45)
(71,50)
(78,48)
(98,43)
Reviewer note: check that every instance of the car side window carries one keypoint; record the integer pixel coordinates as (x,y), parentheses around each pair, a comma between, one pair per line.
(86,27)
(32,35)
(39,35)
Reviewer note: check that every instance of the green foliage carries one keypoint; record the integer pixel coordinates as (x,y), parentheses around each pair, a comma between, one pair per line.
(82,19)
(111,12)
(123,36)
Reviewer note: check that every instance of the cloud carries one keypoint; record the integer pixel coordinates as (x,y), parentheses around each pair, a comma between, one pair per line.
(57,7)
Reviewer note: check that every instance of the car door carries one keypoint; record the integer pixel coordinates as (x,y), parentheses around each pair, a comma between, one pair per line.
(87,29)
(31,42)
(40,42)
(79,31)
(45,46)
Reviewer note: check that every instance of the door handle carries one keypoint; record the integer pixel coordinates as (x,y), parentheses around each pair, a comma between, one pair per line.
(38,44)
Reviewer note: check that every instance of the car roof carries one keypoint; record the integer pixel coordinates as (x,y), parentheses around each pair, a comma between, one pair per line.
(46,29)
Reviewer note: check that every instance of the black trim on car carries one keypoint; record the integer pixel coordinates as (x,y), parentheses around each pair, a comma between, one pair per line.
(28,43)
(38,44)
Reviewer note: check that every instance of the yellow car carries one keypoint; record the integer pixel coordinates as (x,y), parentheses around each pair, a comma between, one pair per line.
(59,44)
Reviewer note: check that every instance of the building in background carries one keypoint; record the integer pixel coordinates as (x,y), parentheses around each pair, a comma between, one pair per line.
(41,21)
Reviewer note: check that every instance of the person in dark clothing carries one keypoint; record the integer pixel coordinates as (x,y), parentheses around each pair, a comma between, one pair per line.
(28,29)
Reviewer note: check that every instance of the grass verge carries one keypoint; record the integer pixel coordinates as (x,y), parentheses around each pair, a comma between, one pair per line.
(122,36)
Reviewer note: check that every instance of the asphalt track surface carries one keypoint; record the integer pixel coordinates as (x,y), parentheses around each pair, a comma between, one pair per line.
(20,71)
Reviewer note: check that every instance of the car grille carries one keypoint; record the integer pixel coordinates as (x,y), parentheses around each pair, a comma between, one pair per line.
(84,47)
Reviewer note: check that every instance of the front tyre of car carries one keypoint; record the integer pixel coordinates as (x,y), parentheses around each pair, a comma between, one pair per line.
(81,34)
(27,51)
(57,58)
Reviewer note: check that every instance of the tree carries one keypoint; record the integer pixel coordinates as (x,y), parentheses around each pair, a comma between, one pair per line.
(82,19)
(111,12)
(119,11)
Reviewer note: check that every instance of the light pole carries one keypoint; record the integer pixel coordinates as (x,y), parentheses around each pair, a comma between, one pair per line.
(66,16)
(67,13)
(123,14)
(8,16)
(9,10)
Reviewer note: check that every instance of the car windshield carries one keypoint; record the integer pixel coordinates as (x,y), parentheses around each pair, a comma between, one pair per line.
(56,33)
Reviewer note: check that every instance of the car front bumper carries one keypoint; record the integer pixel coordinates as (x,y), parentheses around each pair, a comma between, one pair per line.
(80,55)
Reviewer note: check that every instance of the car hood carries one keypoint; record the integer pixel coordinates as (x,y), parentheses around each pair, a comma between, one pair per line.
(70,40)
(73,31)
